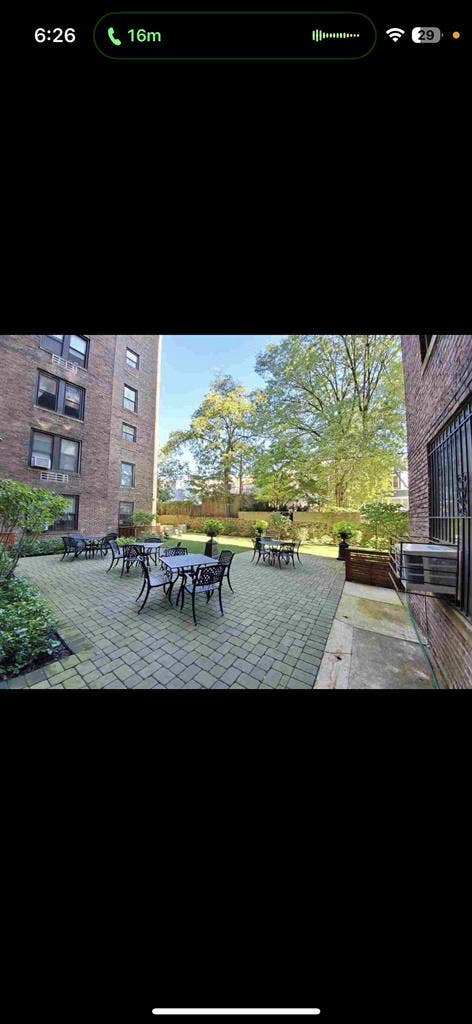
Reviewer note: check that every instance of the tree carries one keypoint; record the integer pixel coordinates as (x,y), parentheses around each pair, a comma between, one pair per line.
(170,469)
(334,405)
(386,519)
(28,510)
(222,436)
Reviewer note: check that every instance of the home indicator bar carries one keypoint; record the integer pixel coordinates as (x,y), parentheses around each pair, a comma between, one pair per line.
(285,1013)
(231,35)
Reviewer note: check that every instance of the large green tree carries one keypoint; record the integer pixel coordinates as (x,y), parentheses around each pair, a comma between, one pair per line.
(222,436)
(334,405)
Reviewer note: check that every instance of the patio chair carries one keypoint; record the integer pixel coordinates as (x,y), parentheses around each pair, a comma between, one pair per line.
(226,557)
(74,545)
(117,555)
(105,543)
(205,581)
(69,547)
(257,548)
(161,578)
(285,554)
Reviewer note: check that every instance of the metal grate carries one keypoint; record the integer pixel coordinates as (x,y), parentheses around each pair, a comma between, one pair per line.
(57,478)
(64,363)
(450,476)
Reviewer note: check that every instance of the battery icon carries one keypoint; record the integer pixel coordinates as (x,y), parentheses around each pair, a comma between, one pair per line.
(426,35)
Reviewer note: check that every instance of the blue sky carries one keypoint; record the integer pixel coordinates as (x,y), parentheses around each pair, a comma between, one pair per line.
(189,363)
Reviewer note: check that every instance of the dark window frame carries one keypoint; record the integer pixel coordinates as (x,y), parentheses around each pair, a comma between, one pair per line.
(130,522)
(131,365)
(46,341)
(450,493)
(130,388)
(133,466)
(135,433)
(61,396)
(56,452)
(59,525)
(426,347)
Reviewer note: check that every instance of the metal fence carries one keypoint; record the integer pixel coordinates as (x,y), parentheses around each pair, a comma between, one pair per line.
(450,476)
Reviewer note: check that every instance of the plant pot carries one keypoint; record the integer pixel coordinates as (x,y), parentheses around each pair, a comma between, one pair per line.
(343,547)
(211,547)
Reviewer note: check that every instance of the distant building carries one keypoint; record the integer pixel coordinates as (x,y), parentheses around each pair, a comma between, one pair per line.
(438,392)
(400,487)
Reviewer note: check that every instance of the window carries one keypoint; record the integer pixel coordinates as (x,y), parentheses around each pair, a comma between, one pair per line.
(48,451)
(128,432)
(69,455)
(59,396)
(130,398)
(47,392)
(450,484)
(426,344)
(42,450)
(125,513)
(69,346)
(132,359)
(70,518)
(77,350)
(127,474)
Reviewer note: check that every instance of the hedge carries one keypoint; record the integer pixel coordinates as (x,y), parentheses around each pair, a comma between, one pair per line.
(26,625)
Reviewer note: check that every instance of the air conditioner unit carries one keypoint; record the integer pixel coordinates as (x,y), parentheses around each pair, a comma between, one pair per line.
(65,363)
(427,568)
(40,460)
(58,478)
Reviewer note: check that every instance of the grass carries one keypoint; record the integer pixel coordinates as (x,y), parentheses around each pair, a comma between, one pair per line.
(195,542)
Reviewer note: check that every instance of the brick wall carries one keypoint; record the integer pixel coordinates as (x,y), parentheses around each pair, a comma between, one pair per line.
(433,394)
(98,485)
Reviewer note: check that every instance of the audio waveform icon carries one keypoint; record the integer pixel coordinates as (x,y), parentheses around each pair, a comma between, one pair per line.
(319,34)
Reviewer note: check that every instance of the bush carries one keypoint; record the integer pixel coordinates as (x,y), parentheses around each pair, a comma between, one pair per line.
(26,625)
(6,563)
(259,526)
(27,510)
(385,519)
(326,538)
(213,527)
(142,518)
(350,529)
(41,547)
(300,533)
(282,524)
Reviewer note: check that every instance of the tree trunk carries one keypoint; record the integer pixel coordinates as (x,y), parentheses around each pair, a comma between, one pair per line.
(240,475)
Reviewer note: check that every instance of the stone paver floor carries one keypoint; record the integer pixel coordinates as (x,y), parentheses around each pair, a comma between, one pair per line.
(372,645)
(272,635)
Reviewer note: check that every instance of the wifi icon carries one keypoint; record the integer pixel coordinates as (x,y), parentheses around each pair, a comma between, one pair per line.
(395,34)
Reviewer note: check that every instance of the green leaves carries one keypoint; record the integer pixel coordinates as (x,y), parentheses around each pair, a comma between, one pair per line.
(26,624)
(27,510)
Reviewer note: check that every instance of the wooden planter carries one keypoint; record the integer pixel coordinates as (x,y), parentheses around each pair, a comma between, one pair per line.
(366,566)
(7,538)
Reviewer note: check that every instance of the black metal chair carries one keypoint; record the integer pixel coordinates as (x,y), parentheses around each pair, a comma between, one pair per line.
(257,548)
(161,578)
(117,555)
(285,554)
(170,552)
(105,542)
(226,557)
(73,545)
(205,581)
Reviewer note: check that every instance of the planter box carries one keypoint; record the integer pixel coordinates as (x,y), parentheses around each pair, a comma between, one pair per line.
(7,538)
(366,566)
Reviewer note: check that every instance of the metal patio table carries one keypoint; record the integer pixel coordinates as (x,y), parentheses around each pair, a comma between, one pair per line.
(273,542)
(132,551)
(185,563)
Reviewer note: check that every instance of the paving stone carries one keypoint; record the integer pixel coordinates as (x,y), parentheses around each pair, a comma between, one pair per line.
(205,678)
(280,666)
(249,682)
(37,676)
(273,677)
(115,685)
(41,686)
(230,675)
(162,675)
(304,677)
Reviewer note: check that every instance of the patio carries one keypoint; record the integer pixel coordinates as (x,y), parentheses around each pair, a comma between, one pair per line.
(272,636)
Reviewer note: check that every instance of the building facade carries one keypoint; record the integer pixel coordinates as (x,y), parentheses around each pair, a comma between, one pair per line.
(79,416)
(438,391)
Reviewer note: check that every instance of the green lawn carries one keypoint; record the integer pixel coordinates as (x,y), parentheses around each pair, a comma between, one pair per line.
(196,542)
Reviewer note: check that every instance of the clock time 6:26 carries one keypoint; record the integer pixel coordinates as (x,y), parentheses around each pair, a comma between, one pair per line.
(54,35)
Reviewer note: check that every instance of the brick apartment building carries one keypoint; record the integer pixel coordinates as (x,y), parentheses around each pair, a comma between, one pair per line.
(438,390)
(79,416)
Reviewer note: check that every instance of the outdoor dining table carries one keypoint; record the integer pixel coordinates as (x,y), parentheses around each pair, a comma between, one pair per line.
(185,563)
(272,542)
(150,548)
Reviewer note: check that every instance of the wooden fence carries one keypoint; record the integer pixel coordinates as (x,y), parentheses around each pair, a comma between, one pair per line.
(366,566)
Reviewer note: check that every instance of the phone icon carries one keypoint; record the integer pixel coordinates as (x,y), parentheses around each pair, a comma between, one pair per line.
(112,37)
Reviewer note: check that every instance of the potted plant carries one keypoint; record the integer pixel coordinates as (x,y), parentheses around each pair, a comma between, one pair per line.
(260,525)
(142,519)
(345,531)
(212,528)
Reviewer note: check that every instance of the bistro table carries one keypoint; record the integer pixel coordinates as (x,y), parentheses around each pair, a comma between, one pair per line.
(273,542)
(183,564)
(92,543)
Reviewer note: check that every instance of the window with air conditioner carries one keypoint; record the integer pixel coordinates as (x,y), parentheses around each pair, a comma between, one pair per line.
(51,452)
(73,347)
(42,450)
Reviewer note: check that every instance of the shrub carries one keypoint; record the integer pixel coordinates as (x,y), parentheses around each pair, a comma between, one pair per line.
(142,518)
(26,625)
(213,527)
(326,538)
(300,533)
(28,510)
(40,547)
(386,519)
(350,529)
(259,526)
(282,524)
(6,563)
